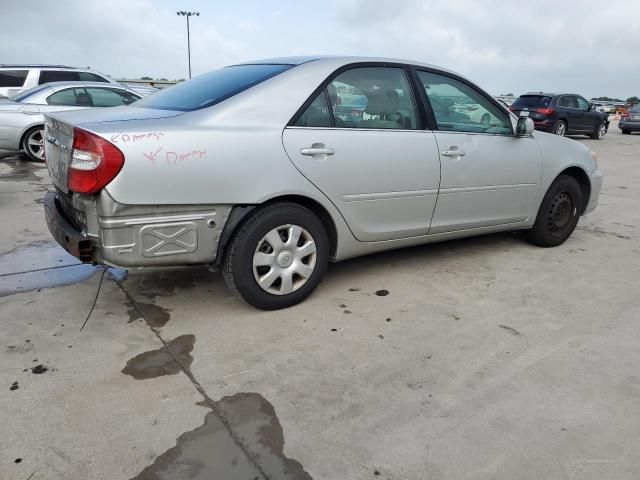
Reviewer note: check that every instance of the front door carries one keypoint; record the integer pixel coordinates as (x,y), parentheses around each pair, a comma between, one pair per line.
(359,142)
(489,176)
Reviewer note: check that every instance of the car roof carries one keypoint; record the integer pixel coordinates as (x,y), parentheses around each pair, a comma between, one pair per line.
(40,65)
(547,94)
(299,60)
(86,84)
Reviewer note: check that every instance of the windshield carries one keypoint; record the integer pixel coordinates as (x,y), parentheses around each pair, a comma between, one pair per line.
(535,101)
(27,93)
(210,88)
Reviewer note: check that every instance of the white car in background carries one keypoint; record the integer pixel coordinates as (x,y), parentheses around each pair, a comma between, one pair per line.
(22,116)
(16,78)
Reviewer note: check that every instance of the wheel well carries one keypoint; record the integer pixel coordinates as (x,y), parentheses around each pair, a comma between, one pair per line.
(319,210)
(583,180)
(240,212)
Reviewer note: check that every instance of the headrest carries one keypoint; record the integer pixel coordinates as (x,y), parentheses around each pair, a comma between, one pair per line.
(382,102)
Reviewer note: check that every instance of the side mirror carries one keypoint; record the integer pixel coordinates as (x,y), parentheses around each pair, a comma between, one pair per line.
(592,107)
(524,127)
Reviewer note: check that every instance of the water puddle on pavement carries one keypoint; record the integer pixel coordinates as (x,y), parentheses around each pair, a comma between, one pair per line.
(21,170)
(210,451)
(44,264)
(157,363)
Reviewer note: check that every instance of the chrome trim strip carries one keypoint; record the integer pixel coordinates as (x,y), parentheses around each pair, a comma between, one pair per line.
(444,191)
(366,197)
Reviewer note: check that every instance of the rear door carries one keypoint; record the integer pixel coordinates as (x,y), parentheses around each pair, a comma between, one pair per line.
(377,166)
(569,110)
(489,176)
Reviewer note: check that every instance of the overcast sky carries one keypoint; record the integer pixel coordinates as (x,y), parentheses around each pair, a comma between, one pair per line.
(506,46)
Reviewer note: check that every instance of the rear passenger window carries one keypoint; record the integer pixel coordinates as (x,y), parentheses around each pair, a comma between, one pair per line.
(12,78)
(47,76)
(91,77)
(373,97)
(317,114)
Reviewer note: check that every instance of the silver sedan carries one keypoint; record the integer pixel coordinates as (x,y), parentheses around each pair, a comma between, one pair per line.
(270,169)
(22,116)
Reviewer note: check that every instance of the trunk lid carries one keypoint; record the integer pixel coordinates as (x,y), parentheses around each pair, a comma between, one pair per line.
(58,145)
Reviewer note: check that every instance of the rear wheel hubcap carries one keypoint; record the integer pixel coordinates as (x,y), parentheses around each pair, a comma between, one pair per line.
(284,259)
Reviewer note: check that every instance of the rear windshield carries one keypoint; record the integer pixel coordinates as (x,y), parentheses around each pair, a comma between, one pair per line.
(27,93)
(534,101)
(210,88)
(12,78)
(635,109)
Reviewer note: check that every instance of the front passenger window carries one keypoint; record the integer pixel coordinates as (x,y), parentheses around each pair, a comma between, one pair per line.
(459,108)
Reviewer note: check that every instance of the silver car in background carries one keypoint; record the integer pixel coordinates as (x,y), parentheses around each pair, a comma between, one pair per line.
(251,167)
(22,116)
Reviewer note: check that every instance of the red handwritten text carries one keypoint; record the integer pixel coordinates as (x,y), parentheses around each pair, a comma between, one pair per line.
(135,137)
(173,158)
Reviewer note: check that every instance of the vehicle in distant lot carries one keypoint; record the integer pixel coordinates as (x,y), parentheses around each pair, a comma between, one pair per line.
(630,120)
(562,114)
(16,78)
(22,116)
(250,168)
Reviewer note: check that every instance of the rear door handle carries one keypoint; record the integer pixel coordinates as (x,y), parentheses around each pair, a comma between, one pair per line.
(454,152)
(312,151)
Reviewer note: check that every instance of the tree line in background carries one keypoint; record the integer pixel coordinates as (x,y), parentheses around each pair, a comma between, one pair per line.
(633,99)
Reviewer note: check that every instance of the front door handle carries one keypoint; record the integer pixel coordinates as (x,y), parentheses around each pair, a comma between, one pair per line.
(317,150)
(454,152)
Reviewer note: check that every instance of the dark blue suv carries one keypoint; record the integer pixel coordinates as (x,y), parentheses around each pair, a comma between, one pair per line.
(562,114)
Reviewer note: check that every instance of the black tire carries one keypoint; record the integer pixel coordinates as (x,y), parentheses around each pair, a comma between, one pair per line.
(560,128)
(559,213)
(626,132)
(28,149)
(599,132)
(238,267)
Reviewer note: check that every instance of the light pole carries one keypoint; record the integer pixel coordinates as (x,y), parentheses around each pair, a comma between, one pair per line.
(188,14)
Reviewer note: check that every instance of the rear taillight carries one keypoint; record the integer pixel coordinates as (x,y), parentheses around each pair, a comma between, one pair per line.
(94,162)
(625,115)
(545,111)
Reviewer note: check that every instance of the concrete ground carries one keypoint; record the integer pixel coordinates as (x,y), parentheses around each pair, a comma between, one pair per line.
(488,359)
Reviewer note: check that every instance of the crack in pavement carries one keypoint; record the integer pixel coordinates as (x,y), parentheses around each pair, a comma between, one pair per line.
(209,401)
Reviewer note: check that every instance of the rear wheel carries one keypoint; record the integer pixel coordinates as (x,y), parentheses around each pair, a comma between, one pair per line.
(33,143)
(277,257)
(558,214)
(599,132)
(626,132)
(560,128)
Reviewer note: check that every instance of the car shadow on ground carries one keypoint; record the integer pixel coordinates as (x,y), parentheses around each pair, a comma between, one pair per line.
(154,284)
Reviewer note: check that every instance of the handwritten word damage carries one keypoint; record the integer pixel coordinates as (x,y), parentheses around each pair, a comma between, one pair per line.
(173,158)
(135,137)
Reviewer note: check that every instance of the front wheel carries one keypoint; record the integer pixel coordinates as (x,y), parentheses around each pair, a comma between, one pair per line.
(277,257)
(33,144)
(559,213)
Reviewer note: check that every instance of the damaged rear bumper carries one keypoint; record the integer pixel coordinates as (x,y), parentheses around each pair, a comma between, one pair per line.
(97,229)
(64,233)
